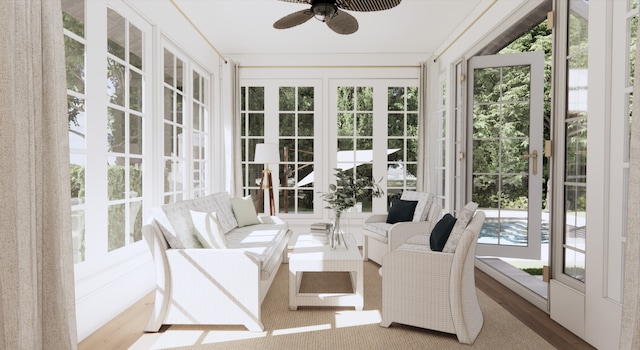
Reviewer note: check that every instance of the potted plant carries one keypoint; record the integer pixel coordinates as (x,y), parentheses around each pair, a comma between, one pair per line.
(343,195)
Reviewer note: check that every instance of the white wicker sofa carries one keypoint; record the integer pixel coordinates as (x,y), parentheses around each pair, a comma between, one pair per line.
(196,285)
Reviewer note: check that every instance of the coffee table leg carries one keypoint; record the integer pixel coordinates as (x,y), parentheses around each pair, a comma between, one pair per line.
(293,290)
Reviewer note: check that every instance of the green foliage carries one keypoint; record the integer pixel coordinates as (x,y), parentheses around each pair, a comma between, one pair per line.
(345,193)
(76,180)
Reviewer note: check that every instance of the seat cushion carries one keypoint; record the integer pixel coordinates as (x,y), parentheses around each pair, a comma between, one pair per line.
(441,232)
(378,230)
(401,211)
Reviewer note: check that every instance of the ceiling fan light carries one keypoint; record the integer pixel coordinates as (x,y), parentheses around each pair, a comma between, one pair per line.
(324,11)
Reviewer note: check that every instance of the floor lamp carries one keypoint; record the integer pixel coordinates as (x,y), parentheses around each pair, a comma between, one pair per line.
(267,153)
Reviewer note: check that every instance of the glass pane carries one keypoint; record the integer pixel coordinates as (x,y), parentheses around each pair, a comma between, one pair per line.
(397,146)
(486,85)
(486,155)
(115,82)
(305,124)
(135,91)
(168,104)
(179,141)
(305,201)
(77,122)
(169,67)
(196,86)
(412,99)
(346,145)
(345,98)
(287,199)
(115,131)
(516,81)
(575,216)
(365,99)
(116,187)
(73,16)
(395,125)
(168,140)
(287,98)
(135,46)
(412,125)
(135,221)
(578,32)
(77,178)
(395,175)
(396,98)
(78,235)
(346,122)
(305,150)
(135,134)
(515,120)
(256,124)
(574,264)
(116,34)
(576,151)
(365,124)
(252,148)
(196,116)
(168,176)
(179,108)
(287,124)
(412,150)
(632,33)
(486,121)
(484,191)
(179,74)
(256,98)
(135,178)
(577,94)
(511,156)
(74,61)
(364,144)
(305,99)
(116,226)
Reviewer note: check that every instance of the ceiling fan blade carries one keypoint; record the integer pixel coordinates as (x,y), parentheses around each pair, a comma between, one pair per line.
(293,19)
(299,1)
(343,23)
(366,5)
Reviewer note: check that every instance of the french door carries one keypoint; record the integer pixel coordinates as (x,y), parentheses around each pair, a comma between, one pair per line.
(505,137)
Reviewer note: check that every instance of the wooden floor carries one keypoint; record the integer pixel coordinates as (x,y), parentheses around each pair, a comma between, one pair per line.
(124,330)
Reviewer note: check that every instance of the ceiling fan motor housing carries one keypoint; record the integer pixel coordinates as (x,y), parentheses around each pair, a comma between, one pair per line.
(324,10)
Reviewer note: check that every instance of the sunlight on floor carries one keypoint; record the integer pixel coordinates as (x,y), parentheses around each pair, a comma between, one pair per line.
(185,338)
(357,318)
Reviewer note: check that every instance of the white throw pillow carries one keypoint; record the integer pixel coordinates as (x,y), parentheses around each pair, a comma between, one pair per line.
(208,229)
(244,211)
(458,228)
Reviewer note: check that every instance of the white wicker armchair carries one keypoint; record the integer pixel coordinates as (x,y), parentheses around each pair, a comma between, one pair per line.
(380,237)
(431,289)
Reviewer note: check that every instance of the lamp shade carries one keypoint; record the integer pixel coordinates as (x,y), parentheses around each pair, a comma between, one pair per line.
(267,153)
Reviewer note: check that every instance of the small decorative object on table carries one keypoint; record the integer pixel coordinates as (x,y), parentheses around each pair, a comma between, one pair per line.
(320,230)
(343,195)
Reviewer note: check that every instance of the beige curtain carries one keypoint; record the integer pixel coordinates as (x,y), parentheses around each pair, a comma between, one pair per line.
(37,301)
(630,335)
(423,175)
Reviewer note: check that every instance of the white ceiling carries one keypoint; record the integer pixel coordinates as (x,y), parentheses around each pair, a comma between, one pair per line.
(246,27)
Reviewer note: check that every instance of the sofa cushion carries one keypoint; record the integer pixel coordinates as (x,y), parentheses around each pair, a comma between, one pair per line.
(264,241)
(441,232)
(244,211)
(401,211)
(458,228)
(380,229)
(425,199)
(179,232)
(208,230)
(220,203)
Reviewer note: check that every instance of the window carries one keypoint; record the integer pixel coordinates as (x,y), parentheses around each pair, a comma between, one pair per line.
(296,142)
(124,130)
(200,135)
(402,140)
(575,183)
(252,132)
(441,146)
(73,17)
(174,148)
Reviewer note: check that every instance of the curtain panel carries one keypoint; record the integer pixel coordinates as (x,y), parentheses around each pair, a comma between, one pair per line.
(37,297)
(424,174)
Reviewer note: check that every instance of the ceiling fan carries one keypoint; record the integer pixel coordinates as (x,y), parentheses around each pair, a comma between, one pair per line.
(332,13)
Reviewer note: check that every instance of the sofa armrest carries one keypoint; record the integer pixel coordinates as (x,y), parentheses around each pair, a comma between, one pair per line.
(375,218)
(401,231)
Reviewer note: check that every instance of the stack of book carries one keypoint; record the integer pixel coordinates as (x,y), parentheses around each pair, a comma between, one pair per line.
(320,230)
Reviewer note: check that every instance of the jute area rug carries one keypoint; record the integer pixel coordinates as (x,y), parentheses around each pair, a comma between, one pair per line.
(341,327)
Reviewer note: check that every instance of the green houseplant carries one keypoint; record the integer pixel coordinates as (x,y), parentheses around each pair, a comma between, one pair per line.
(343,195)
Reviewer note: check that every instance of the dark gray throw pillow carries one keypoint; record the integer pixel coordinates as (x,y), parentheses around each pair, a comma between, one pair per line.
(401,211)
(440,232)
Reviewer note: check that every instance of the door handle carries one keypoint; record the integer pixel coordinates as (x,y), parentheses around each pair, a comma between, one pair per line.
(533,156)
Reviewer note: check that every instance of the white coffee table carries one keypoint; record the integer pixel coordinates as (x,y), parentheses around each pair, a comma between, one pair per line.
(311,255)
